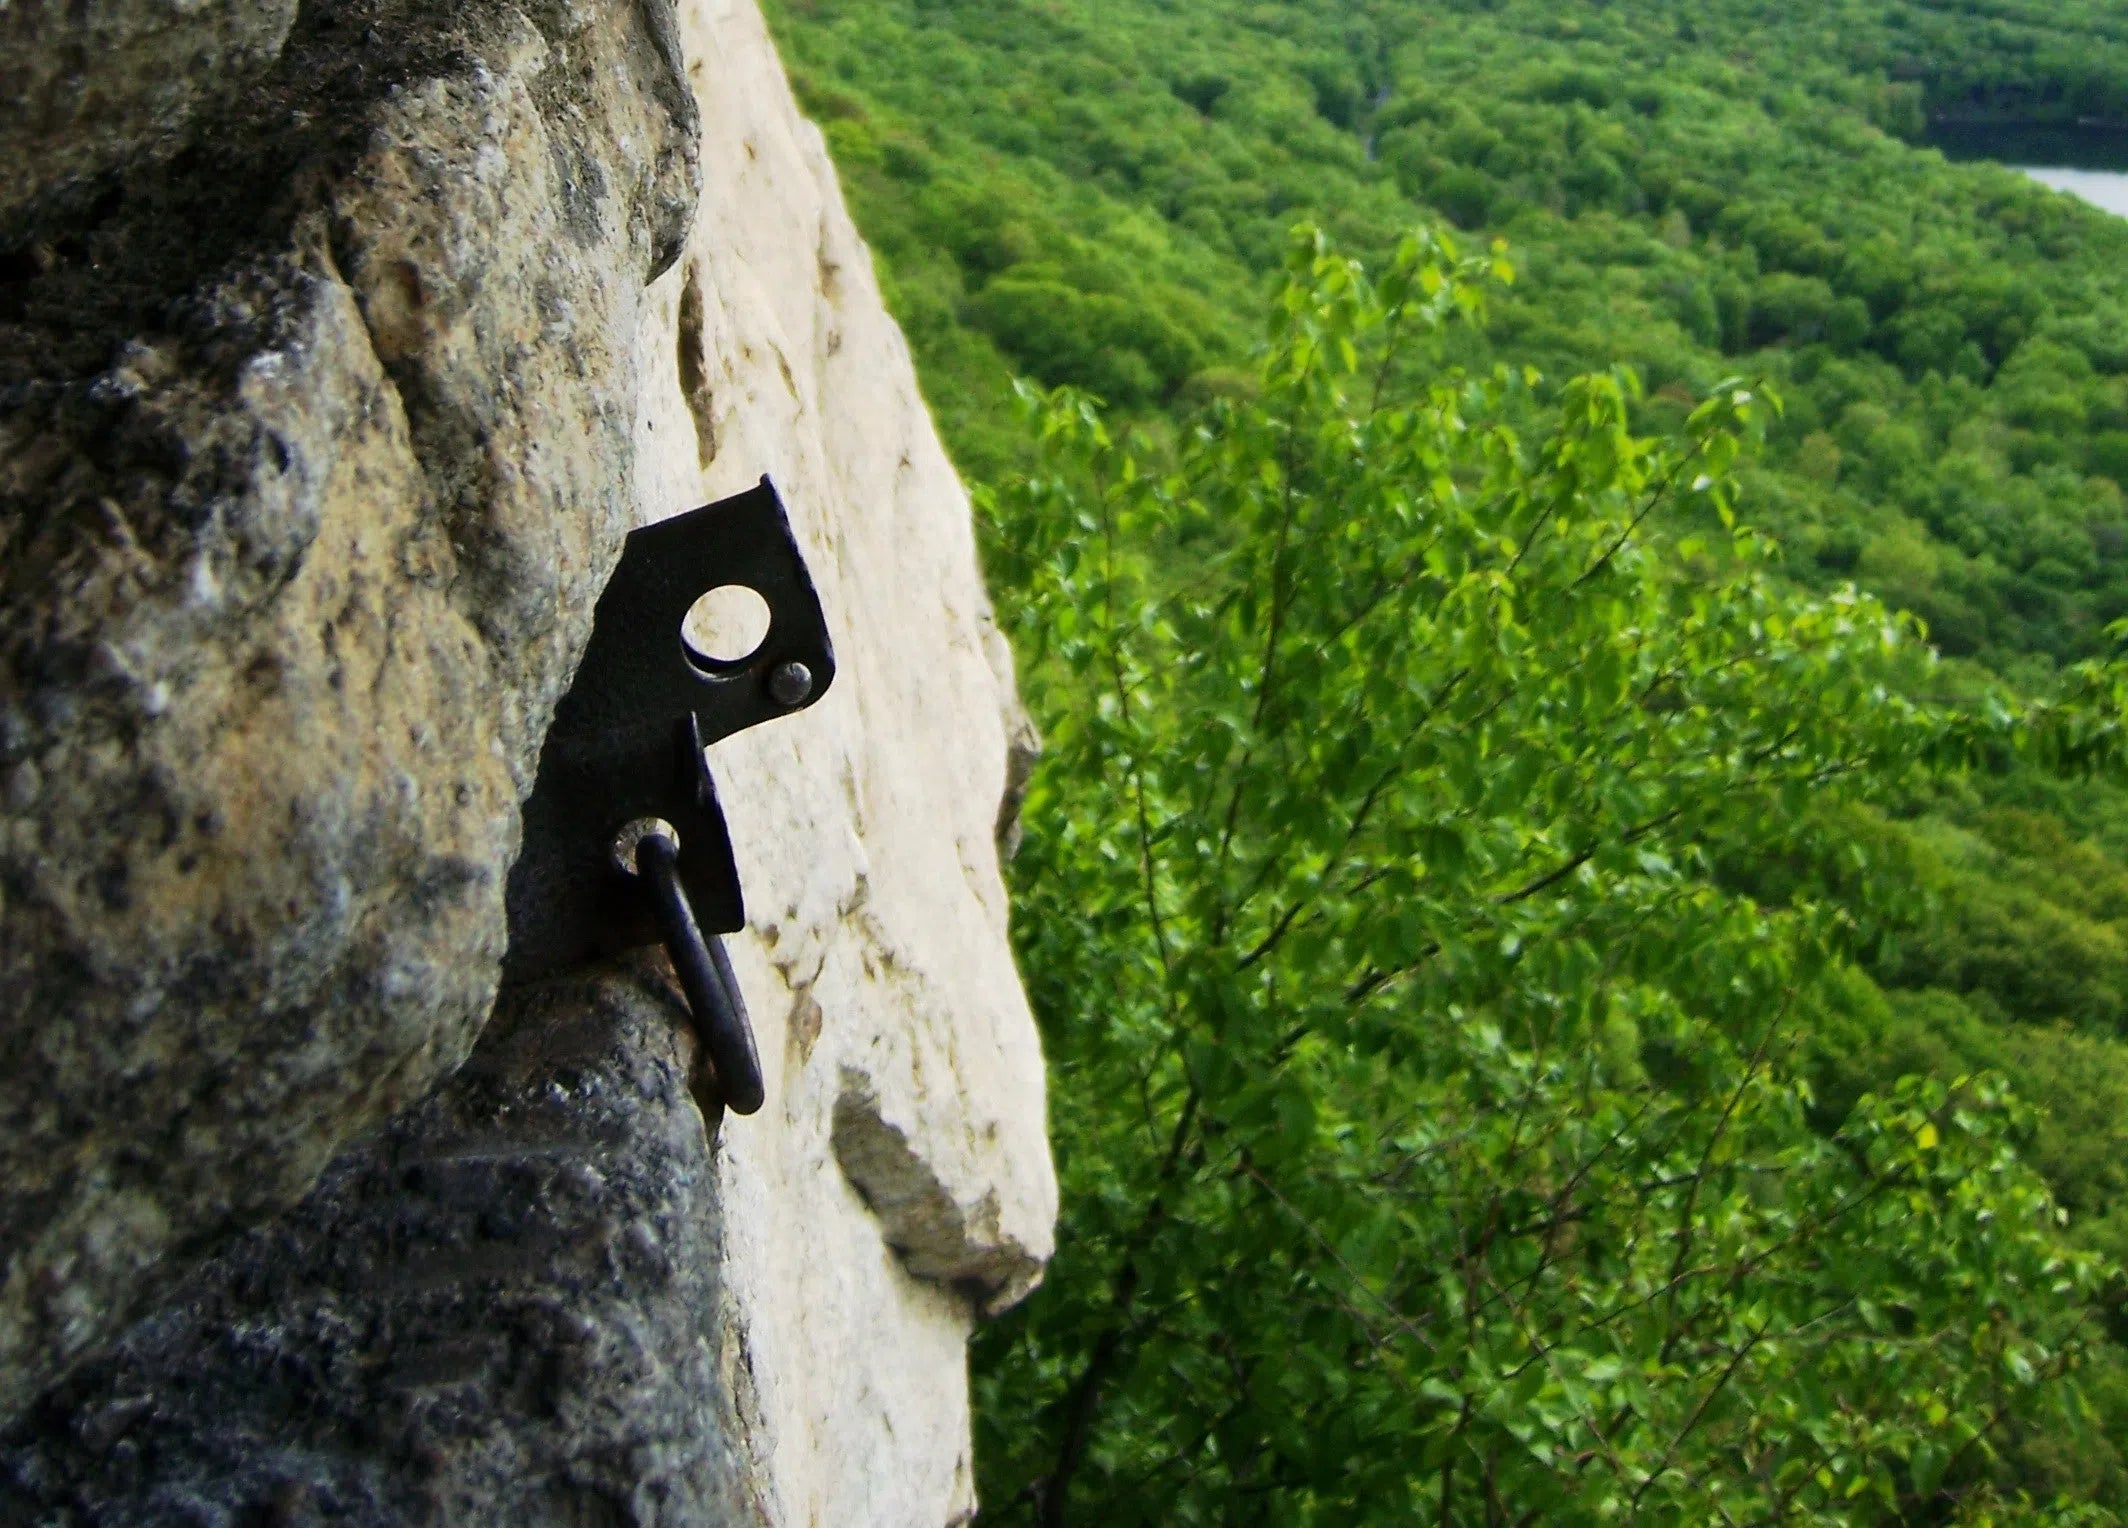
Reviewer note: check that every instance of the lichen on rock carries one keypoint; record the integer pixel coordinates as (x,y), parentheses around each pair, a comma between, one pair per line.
(308,446)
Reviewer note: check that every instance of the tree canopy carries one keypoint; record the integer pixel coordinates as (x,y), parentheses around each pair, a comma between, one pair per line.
(1930,913)
(1433,1134)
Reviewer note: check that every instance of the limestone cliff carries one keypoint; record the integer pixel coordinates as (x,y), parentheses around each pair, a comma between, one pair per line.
(340,343)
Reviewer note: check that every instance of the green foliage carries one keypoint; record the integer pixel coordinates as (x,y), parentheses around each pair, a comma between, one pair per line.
(1061,333)
(1434,1134)
(1098,195)
(1675,210)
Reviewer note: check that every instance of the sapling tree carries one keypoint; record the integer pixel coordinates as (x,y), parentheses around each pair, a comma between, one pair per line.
(1433,1144)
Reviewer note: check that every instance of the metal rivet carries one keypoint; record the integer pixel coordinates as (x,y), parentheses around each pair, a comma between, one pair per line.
(791,684)
(631,836)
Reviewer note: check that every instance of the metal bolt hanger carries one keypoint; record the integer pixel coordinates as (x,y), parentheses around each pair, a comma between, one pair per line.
(625,843)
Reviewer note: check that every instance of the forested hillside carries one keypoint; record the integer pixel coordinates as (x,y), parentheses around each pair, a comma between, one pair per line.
(1807,962)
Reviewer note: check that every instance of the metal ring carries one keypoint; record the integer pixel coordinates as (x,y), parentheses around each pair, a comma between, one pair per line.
(705,976)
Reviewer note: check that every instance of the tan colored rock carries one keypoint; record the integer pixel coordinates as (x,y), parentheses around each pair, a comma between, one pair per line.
(312,460)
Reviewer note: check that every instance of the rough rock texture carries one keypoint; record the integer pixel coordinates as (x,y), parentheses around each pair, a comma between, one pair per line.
(86,85)
(477,1318)
(322,409)
(308,446)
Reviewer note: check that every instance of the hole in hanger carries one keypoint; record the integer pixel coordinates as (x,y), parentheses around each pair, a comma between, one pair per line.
(725,628)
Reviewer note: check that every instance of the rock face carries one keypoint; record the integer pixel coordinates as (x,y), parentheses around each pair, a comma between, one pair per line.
(508,1309)
(86,88)
(323,406)
(905,1176)
(307,479)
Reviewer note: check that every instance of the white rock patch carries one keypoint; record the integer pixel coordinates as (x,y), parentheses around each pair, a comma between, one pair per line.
(900,1177)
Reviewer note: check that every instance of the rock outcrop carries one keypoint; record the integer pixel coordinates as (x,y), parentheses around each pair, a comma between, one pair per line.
(330,379)
(511,1308)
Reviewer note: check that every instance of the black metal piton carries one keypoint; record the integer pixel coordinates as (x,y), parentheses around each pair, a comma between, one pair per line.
(625,843)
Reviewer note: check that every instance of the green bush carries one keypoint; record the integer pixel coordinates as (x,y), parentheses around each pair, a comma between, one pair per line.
(1432,1148)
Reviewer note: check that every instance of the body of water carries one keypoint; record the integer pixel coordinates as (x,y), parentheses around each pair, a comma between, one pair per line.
(2101,188)
(2090,162)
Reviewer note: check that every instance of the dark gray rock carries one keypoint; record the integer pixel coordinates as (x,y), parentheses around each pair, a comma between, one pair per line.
(86,85)
(504,1309)
(315,444)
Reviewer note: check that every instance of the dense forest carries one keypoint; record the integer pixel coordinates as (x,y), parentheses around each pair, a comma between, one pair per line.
(1578,896)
